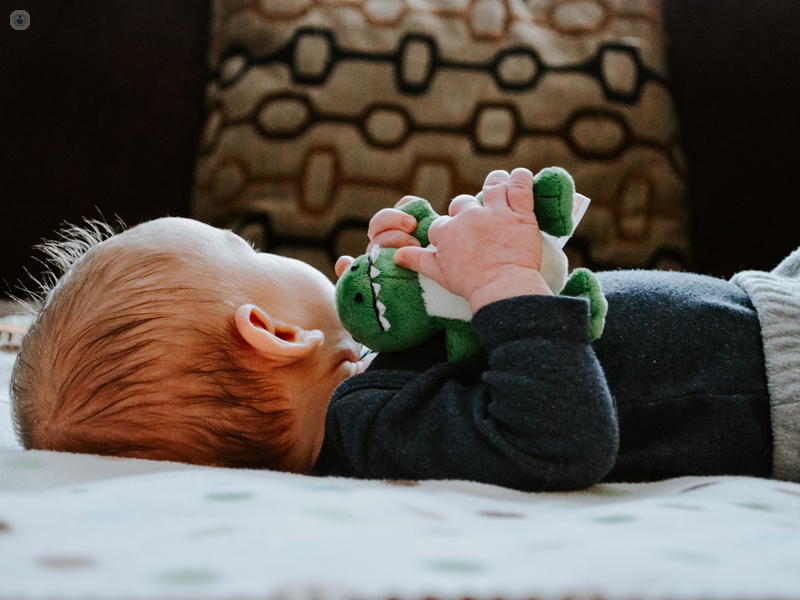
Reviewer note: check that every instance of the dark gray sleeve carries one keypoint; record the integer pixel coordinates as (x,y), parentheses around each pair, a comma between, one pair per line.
(536,415)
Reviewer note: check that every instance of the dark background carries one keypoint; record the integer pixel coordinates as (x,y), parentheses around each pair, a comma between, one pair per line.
(101,108)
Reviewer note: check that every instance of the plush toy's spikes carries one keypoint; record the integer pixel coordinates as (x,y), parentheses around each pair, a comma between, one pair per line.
(376,288)
(380,308)
(385,325)
(374,253)
(373,271)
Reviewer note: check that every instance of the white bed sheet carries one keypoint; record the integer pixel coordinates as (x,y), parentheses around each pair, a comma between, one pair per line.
(78,526)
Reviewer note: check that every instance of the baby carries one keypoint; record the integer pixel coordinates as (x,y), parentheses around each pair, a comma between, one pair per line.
(177,341)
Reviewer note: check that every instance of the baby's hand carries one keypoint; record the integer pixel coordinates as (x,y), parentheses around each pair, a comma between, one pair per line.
(485,253)
(389,228)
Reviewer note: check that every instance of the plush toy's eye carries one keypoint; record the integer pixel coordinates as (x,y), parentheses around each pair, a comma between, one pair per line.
(354,268)
(359,298)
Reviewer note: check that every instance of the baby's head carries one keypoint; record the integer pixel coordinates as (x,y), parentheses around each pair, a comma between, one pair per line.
(175,340)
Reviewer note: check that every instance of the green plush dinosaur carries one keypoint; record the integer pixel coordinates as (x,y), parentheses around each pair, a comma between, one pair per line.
(389,308)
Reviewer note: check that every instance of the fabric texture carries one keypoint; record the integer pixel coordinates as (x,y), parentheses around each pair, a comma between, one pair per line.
(75,526)
(323,112)
(776,296)
(680,358)
(8,439)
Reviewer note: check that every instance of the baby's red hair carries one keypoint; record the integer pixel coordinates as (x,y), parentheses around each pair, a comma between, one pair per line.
(129,356)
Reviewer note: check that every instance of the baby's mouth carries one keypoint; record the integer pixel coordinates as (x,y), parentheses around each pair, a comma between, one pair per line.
(377,305)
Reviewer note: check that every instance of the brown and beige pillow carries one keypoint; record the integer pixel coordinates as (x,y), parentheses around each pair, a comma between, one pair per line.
(322,112)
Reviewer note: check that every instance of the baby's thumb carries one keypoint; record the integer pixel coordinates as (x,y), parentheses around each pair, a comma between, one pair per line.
(421,260)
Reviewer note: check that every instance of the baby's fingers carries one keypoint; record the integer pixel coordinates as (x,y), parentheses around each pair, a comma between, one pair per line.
(389,219)
(461,202)
(342,263)
(421,260)
(393,239)
(520,191)
(495,188)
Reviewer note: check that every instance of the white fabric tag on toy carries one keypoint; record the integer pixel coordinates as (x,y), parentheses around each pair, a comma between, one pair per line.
(579,206)
(440,302)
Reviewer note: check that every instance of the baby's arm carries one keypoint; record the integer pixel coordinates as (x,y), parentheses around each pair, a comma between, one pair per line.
(537,417)
(488,252)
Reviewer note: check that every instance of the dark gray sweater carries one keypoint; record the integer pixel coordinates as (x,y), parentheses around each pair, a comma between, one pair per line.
(675,386)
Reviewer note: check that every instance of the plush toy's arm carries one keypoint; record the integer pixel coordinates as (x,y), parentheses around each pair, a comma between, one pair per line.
(553,191)
(461,340)
(421,210)
(583,282)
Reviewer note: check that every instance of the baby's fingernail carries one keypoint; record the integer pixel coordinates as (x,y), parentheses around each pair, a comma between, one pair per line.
(409,222)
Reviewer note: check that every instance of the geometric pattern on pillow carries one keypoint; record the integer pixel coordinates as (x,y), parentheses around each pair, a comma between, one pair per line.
(322,112)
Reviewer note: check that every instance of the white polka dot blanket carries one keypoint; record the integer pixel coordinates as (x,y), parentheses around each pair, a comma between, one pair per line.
(77,526)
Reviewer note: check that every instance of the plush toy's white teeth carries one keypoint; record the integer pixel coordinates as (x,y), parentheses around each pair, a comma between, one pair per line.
(384,321)
(380,308)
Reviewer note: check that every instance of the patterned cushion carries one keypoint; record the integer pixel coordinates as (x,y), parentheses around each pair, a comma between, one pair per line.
(322,112)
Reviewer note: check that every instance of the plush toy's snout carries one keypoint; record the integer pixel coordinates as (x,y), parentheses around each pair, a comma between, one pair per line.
(380,303)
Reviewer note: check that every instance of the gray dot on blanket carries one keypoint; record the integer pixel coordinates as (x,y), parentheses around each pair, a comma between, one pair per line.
(613,519)
(28,463)
(501,515)
(608,492)
(682,506)
(332,514)
(228,496)
(699,486)
(754,506)
(423,512)
(456,566)
(187,577)
(65,562)
(4,527)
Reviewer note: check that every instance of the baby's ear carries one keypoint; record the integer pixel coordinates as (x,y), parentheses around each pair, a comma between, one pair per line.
(274,339)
